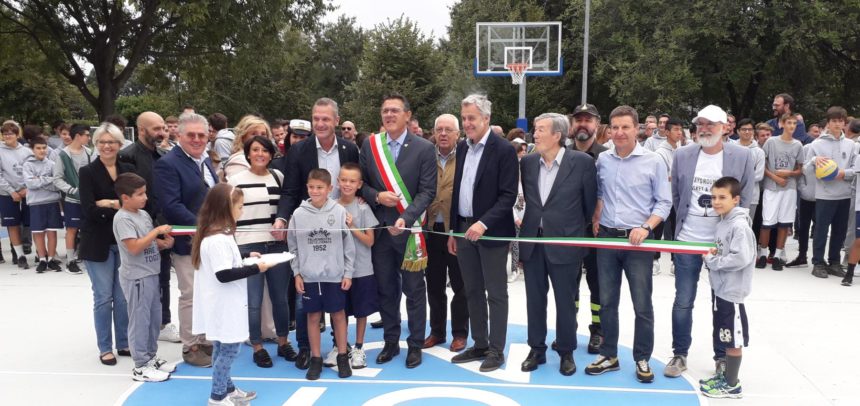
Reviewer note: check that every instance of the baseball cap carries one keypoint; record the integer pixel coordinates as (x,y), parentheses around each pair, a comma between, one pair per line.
(300,127)
(713,114)
(586,108)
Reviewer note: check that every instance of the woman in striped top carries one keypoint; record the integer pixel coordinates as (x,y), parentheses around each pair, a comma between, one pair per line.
(262,189)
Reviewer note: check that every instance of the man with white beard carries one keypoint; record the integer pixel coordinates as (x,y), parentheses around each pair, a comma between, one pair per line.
(694,169)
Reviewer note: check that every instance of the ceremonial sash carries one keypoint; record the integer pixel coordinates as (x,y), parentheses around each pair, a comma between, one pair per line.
(415,258)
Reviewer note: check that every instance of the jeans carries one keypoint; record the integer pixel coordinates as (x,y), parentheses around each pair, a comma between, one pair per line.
(687,270)
(830,215)
(109,305)
(636,266)
(806,212)
(278,279)
(223,355)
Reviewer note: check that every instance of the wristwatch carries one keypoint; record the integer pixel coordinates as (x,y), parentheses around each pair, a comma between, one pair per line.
(647,227)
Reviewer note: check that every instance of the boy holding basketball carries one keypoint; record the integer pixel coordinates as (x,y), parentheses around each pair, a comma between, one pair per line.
(832,197)
(783,163)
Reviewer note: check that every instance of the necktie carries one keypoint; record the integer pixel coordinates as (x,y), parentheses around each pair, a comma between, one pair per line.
(392,145)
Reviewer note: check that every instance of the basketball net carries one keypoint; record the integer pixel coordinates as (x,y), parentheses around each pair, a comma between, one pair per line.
(518,72)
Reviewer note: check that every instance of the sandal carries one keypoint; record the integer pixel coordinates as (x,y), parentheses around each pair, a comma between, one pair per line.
(107,361)
(124,353)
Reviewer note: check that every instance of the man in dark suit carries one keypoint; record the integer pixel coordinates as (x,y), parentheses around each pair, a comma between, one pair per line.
(181,180)
(560,189)
(415,160)
(322,150)
(485,187)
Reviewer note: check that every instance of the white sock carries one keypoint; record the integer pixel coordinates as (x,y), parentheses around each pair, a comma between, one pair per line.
(762,251)
(19,249)
(780,253)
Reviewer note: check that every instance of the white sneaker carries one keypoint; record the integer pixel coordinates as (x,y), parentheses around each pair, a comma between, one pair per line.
(227,401)
(513,276)
(147,373)
(240,396)
(357,358)
(162,365)
(655,270)
(331,358)
(169,333)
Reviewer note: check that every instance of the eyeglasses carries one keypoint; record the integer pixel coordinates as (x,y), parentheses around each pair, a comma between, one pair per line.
(444,130)
(199,136)
(347,128)
(106,143)
(10,135)
(392,110)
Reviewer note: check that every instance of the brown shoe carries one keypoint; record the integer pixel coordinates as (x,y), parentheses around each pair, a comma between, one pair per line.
(458,344)
(433,341)
(197,358)
(207,348)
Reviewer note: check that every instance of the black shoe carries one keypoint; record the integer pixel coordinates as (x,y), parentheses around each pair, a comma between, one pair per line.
(343,368)
(777,264)
(43,265)
(262,358)
(287,352)
(532,361)
(22,262)
(389,351)
(836,270)
(303,359)
(799,261)
(596,339)
(820,271)
(376,324)
(568,366)
(124,353)
(849,278)
(761,262)
(55,265)
(314,369)
(492,362)
(554,345)
(73,268)
(469,355)
(413,357)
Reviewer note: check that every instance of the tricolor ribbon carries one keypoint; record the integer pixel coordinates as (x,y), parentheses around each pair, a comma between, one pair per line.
(674,247)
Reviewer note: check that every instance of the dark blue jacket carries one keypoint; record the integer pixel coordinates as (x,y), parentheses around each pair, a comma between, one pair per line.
(180,190)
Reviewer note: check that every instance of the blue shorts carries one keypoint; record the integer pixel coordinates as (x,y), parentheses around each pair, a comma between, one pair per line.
(72,214)
(45,217)
(323,297)
(857,225)
(362,297)
(14,213)
(731,328)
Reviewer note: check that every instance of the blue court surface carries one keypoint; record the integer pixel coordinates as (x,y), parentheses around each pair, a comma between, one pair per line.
(437,379)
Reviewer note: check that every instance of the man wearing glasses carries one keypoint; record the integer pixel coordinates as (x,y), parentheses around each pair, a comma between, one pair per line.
(694,170)
(181,179)
(348,131)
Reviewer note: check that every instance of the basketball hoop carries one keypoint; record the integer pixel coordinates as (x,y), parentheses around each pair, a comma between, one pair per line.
(518,71)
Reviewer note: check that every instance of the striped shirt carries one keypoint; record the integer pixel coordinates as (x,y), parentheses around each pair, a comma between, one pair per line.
(261,204)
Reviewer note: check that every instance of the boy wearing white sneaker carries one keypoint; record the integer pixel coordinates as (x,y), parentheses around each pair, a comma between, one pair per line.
(361,300)
(140,265)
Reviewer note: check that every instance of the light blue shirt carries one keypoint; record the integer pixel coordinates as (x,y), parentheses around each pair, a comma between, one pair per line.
(330,161)
(632,188)
(470,170)
(395,144)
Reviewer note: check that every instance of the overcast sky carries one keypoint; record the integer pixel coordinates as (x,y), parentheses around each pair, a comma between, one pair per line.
(431,15)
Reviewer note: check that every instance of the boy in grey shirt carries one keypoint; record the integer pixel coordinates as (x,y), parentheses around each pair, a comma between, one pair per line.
(140,265)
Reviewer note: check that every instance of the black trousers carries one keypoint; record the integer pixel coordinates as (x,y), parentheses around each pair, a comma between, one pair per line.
(441,266)
(539,272)
(590,263)
(164,286)
(393,283)
(806,213)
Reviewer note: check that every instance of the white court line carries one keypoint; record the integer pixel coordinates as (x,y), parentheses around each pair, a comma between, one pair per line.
(386,382)
(125,395)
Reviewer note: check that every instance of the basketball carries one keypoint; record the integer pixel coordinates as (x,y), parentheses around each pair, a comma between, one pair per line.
(828,171)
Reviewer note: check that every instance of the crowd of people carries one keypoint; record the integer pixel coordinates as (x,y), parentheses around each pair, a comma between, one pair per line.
(348,205)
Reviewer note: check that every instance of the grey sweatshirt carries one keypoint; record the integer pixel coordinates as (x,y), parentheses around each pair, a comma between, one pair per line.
(732,267)
(654,141)
(39,178)
(12,168)
(841,150)
(68,186)
(806,181)
(323,247)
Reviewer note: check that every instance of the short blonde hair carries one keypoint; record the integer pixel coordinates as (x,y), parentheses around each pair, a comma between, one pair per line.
(246,123)
(109,129)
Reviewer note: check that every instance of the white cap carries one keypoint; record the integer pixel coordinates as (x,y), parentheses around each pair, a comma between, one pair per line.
(713,114)
(301,127)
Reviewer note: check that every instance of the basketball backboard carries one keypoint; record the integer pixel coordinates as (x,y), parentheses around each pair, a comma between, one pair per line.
(537,44)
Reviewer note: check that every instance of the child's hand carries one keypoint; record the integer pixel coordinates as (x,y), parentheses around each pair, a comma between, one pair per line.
(348,220)
(164,229)
(712,251)
(300,284)
(254,254)
(263,266)
(165,243)
(345,284)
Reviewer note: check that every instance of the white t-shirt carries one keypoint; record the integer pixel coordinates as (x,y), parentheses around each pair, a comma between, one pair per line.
(220,309)
(701,222)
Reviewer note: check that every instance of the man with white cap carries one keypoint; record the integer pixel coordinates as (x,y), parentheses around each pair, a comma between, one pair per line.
(695,168)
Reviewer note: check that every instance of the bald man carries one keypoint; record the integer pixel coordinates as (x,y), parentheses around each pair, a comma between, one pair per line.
(348,131)
(151,131)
